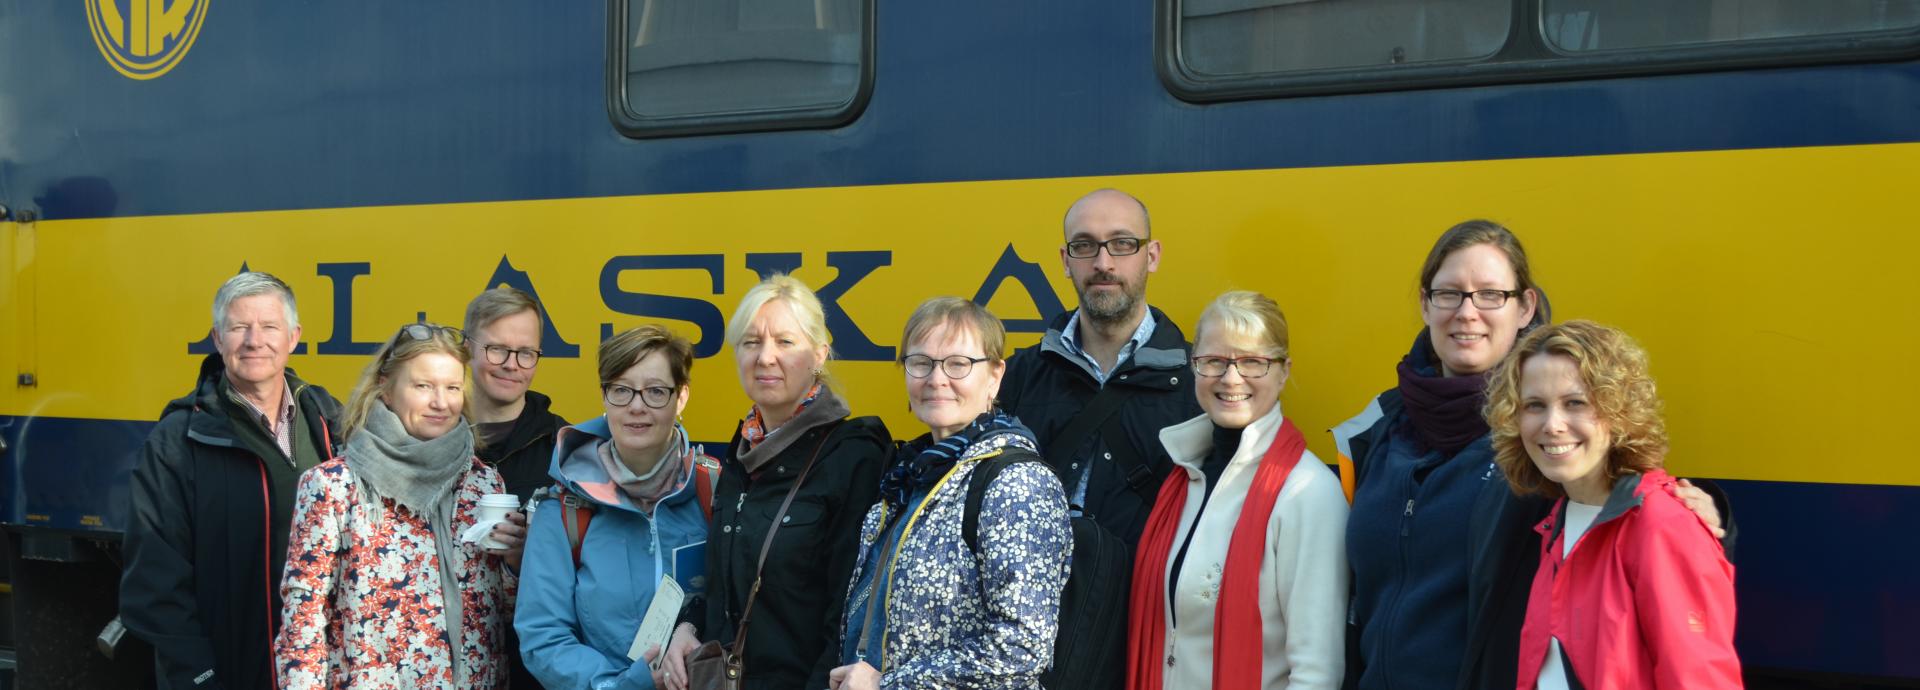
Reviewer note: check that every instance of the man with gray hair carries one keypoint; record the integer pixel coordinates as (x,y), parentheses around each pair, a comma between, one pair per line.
(212,496)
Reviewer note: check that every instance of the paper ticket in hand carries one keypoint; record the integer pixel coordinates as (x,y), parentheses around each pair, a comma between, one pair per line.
(657,627)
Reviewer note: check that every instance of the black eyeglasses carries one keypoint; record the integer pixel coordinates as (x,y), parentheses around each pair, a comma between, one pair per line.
(498,354)
(655,397)
(1484,299)
(1249,367)
(1118,246)
(955,367)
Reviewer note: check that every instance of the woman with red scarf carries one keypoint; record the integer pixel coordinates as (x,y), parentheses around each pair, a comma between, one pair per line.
(1240,579)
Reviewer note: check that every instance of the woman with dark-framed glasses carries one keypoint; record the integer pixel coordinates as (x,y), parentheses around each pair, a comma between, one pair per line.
(381,589)
(1240,578)
(784,573)
(633,477)
(963,559)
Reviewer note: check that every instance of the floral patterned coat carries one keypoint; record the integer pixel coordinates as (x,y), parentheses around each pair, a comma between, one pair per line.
(955,620)
(363,598)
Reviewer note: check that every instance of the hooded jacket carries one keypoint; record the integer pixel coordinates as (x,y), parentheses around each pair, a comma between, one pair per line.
(1045,387)
(206,540)
(1644,600)
(575,624)
(525,455)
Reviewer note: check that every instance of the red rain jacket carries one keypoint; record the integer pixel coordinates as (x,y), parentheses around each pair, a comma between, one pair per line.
(1645,600)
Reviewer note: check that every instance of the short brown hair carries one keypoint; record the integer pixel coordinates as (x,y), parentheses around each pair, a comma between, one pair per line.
(958,313)
(1614,370)
(620,352)
(1476,232)
(499,303)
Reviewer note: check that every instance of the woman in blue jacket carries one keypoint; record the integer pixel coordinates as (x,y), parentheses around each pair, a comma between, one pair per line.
(632,474)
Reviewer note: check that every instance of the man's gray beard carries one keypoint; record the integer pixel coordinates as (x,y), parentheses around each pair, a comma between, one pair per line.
(1105,308)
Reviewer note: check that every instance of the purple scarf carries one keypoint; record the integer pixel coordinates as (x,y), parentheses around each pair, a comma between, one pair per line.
(1444,410)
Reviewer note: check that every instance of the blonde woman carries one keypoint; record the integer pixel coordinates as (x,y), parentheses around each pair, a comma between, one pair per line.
(380,590)
(1240,580)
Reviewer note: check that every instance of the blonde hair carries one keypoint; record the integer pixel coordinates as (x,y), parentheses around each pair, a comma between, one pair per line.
(1614,370)
(800,302)
(957,313)
(1247,314)
(388,360)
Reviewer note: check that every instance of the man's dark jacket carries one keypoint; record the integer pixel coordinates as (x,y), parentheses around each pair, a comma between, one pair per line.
(523,457)
(1045,387)
(207,538)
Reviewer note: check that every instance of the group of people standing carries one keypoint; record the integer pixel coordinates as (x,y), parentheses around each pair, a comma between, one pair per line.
(1112,507)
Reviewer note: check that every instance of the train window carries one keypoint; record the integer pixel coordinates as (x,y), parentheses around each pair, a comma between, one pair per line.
(1588,25)
(1211,50)
(682,67)
(1237,37)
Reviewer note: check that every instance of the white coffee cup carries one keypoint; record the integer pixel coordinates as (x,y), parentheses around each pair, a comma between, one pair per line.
(494,508)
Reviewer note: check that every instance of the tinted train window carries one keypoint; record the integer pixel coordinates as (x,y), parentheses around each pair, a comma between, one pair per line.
(1589,25)
(702,66)
(1229,49)
(1231,37)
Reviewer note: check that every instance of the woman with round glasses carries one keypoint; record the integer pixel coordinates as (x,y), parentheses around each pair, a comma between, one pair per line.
(796,442)
(1240,579)
(1632,590)
(1439,546)
(381,589)
(932,605)
(630,475)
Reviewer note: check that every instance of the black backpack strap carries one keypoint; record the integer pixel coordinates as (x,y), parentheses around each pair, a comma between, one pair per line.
(977,484)
(1060,450)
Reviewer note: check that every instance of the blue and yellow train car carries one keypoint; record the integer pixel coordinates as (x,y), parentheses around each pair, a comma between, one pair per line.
(1722,178)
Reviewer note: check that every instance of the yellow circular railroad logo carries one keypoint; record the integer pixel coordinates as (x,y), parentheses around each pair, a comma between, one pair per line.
(143,39)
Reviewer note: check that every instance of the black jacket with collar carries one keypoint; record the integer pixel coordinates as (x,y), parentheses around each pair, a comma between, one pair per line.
(793,636)
(205,547)
(1045,387)
(524,457)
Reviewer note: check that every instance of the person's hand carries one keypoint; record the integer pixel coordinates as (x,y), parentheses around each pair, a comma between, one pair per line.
(1701,504)
(675,665)
(662,678)
(512,532)
(858,675)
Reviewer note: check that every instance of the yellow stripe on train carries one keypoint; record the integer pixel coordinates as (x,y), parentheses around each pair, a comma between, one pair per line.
(1773,287)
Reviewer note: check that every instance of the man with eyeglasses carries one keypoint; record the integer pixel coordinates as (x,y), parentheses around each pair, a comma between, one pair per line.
(1096,391)
(516,426)
(212,496)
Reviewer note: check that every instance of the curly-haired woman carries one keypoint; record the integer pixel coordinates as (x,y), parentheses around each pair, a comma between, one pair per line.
(1633,591)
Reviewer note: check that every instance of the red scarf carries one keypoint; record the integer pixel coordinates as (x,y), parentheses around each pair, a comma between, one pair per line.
(1237,643)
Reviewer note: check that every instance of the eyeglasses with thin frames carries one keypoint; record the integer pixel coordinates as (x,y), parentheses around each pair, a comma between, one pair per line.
(955,366)
(1249,367)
